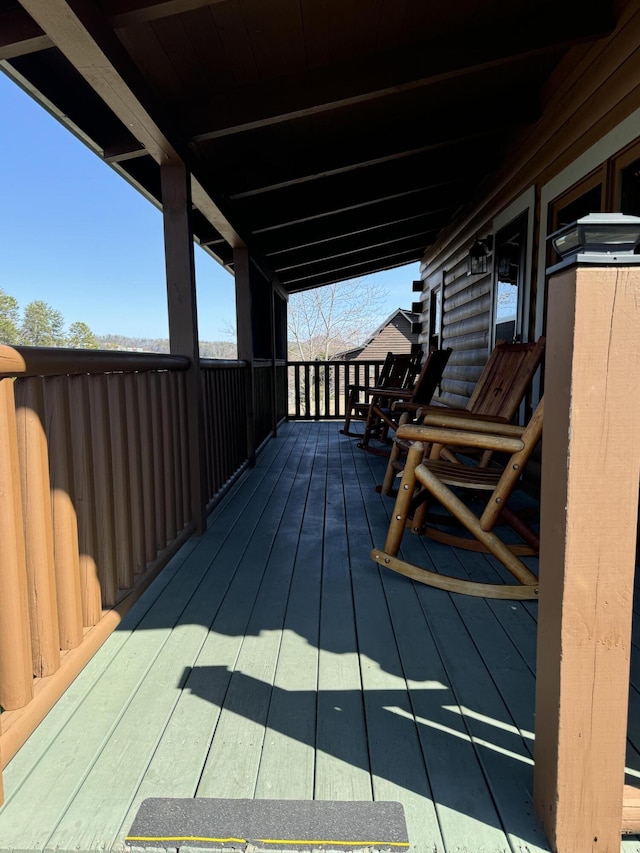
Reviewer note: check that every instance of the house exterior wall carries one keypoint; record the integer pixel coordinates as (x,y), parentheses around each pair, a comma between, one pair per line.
(396,337)
(590,112)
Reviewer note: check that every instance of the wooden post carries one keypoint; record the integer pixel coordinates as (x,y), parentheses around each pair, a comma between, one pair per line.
(183,318)
(590,470)
(244,332)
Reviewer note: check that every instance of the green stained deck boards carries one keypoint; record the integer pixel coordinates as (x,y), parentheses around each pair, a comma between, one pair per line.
(274,659)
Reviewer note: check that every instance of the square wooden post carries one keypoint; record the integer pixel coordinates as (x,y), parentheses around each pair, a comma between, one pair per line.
(590,470)
(244,333)
(183,319)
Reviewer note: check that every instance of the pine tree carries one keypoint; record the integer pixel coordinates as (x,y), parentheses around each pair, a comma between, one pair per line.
(9,318)
(80,336)
(42,325)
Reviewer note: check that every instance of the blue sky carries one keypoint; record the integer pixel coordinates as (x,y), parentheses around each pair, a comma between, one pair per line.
(76,235)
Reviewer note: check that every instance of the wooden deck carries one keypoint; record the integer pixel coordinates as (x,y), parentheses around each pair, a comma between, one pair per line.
(274,659)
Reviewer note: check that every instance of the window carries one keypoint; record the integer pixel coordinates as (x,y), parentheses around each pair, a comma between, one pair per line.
(509,280)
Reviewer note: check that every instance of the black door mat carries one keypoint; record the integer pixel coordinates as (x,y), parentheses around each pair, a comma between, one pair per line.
(269,824)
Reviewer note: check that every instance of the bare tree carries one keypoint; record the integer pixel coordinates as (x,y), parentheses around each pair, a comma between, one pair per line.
(327,320)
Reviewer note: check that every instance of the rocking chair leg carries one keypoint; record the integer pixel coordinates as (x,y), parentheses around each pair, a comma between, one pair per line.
(390,473)
(403,501)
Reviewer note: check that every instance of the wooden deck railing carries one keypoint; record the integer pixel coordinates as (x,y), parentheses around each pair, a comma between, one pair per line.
(318,389)
(225,388)
(94,499)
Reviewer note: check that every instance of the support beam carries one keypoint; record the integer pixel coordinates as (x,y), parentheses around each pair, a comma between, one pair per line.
(183,320)
(20,35)
(127,13)
(85,37)
(590,470)
(244,334)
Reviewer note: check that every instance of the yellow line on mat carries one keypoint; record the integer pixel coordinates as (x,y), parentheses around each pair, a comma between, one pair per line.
(266,840)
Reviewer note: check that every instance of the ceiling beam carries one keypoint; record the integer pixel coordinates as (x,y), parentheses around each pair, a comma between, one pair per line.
(345,225)
(356,271)
(368,78)
(127,13)
(20,35)
(414,243)
(83,35)
(387,236)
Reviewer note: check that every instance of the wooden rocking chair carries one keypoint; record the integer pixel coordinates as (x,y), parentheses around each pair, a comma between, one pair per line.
(398,373)
(386,410)
(496,398)
(438,478)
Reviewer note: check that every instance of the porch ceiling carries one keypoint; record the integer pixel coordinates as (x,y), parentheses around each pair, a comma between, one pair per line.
(333,138)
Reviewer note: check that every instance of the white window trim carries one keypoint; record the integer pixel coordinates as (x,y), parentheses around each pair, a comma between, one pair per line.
(525,203)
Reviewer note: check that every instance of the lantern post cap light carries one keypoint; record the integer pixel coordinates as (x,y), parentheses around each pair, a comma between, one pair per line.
(602,239)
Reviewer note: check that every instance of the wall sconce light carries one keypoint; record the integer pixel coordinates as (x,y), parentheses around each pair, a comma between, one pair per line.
(598,238)
(478,254)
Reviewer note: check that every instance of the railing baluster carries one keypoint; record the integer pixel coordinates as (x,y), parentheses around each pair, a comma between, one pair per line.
(168,448)
(158,460)
(65,522)
(85,499)
(16,677)
(184,450)
(172,380)
(35,486)
(148,468)
(103,484)
(121,486)
(134,462)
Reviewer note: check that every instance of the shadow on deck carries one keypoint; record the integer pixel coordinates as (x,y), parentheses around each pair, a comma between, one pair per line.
(274,659)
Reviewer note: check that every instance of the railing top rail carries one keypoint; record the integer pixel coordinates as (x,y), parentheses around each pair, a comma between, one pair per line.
(356,363)
(212,363)
(59,361)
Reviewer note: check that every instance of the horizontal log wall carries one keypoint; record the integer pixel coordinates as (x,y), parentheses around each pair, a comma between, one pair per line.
(93,501)
(319,389)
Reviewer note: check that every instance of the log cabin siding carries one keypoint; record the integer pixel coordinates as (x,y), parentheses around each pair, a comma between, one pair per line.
(593,89)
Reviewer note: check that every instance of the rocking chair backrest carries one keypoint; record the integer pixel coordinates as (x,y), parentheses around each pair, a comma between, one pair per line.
(505,378)
(403,369)
(430,375)
(385,370)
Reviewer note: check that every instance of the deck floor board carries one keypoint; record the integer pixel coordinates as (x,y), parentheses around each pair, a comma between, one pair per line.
(274,659)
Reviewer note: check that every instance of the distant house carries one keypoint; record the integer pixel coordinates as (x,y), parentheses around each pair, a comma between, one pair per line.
(393,335)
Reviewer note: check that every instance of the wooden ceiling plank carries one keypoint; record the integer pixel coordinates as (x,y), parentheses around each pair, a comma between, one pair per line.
(369,78)
(95,52)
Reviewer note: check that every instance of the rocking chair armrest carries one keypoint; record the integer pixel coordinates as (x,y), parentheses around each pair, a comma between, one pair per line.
(394,393)
(478,424)
(367,389)
(406,406)
(459,438)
